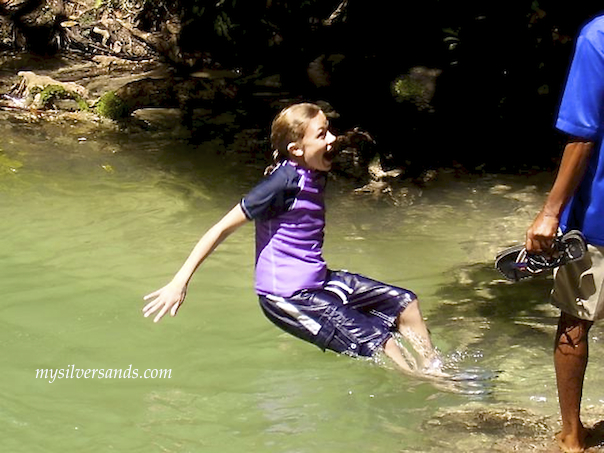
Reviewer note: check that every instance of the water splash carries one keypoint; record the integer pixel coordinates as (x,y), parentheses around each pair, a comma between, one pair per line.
(445,372)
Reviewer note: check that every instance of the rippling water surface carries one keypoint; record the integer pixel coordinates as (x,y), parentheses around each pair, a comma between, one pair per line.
(92,221)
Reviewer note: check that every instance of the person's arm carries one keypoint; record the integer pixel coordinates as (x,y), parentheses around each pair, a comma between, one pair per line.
(171,296)
(540,235)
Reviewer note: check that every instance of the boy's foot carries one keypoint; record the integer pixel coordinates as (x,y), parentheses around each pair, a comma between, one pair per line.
(472,382)
(516,264)
(433,367)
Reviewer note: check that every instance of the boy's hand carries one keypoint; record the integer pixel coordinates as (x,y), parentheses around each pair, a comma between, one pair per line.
(169,298)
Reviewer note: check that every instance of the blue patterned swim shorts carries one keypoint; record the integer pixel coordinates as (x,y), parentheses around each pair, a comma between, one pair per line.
(351,314)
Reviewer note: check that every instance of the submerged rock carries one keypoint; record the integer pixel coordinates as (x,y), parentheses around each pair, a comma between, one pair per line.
(494,422)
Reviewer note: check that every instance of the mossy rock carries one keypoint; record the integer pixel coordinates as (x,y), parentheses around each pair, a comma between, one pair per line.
(416,87)
(49,95)
(113,107)
(407,89)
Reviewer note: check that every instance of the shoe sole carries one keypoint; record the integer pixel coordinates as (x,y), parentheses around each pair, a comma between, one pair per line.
(573,247)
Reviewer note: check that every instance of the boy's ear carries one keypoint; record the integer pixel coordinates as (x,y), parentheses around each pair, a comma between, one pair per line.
(295,150)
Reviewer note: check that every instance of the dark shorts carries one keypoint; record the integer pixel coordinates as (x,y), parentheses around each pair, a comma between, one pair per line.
(351,314)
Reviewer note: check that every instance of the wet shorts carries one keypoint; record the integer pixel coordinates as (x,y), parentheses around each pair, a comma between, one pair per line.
(351,314)
(578,286)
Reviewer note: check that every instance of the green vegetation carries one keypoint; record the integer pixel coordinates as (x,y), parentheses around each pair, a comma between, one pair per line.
(494,67)
(111,106)
(407,89)
(51,93)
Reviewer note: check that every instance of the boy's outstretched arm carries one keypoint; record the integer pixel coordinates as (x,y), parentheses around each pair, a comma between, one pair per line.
(170,297)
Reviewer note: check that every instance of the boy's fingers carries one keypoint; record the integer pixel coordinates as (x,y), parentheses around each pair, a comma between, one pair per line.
(151,307)
(153,294)
(160,303)
(161,313)
(149,311)
(175,308)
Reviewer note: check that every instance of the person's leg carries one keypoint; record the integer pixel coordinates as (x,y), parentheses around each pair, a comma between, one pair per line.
(412,327)
(570,361)
(400,357)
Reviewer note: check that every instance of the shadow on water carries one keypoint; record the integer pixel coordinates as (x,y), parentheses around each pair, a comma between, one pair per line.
(489,319)
(510,329)
(499,308)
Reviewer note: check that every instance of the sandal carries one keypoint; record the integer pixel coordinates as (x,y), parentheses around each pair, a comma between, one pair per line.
(515,263)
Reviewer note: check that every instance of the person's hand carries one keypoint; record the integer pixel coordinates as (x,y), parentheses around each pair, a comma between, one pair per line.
(540,235)
(169,298)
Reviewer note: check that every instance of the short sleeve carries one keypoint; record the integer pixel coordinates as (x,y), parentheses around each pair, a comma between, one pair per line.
(273,196)
(581,107)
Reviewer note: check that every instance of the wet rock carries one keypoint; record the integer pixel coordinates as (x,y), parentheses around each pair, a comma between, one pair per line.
(500,189)
(476,429)
(353,151)
(494,422)
(380,180)
(183,93)
(67,105)
(32,82)
(39,91)
(417,87)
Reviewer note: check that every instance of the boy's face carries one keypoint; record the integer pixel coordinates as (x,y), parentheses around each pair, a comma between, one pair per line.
(314,150)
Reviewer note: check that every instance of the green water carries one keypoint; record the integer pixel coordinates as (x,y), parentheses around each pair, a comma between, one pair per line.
(92,221)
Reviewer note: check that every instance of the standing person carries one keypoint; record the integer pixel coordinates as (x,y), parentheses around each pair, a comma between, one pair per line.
(336,310)
(576,201)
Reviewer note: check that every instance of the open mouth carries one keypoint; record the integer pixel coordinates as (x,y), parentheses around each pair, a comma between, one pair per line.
(330,154)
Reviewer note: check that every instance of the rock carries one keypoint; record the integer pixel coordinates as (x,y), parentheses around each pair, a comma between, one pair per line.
(321,68)
(33,82)
(40,92)
(68,105)
(417,86)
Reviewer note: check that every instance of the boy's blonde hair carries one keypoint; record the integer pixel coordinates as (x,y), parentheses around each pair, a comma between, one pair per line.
(289,126)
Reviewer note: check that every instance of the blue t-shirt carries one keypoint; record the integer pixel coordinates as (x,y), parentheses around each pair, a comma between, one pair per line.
(581,115)
(289,212)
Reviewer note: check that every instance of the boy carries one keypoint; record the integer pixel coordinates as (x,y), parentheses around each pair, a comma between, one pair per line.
(335,310)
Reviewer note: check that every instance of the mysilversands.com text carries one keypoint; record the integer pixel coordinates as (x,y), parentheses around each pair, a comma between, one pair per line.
(71,372)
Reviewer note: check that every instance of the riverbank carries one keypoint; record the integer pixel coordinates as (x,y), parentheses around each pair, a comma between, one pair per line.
(240,121)
(98,75)
(221,105)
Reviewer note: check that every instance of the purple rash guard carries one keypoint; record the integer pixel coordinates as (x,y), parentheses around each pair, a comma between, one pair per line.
(289,212)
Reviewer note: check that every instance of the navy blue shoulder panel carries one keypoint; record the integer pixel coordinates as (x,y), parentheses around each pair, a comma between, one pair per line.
(274,195)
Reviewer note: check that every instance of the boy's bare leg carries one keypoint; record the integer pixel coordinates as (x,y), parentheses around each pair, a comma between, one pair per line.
(570,359)
(412,327)
(405,363)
